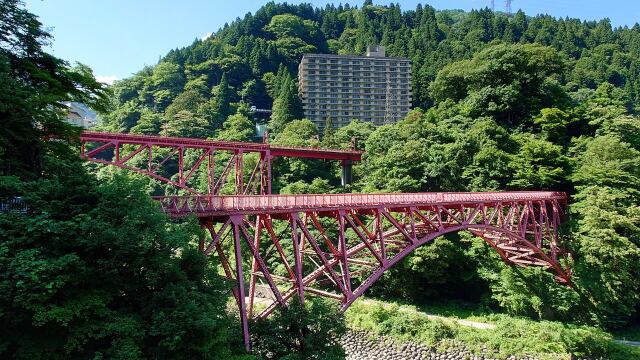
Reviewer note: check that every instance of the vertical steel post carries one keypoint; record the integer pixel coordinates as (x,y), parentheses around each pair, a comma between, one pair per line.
(239,172)
(346,277)
(268,159)
(554,238)
(181,165)
(347,172)
(539,228)
(254,264)
(380,231)
(297,253)
(262,170)
(244,321)
(210,172)
(524,219)
(150,157)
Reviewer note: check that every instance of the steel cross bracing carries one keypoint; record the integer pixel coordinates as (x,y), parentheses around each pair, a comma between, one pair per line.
(337,246)
(179,161)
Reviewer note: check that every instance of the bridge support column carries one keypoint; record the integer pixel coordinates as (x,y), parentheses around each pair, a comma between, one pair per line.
(297,256)
(265,173)
(347,176)
(254,266)
(201,243)
(244,320)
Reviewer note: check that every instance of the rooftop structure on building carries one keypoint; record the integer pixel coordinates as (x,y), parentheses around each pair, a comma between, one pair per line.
(371,88)
(80,115)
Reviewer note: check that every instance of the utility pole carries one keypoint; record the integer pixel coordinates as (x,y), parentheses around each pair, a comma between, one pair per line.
(493,5)
(507,5)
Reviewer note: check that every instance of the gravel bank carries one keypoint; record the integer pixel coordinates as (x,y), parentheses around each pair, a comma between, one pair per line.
(362,345)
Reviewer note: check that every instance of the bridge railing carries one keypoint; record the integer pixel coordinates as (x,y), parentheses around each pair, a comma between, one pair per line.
(190,204)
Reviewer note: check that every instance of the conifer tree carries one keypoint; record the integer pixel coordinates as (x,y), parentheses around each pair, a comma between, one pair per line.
(287,106)
(224,96)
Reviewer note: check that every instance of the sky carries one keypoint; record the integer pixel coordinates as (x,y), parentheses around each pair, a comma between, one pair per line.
(117,38)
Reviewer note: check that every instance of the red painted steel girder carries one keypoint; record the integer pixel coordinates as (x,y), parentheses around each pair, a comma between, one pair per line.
(203,206)
(275,150)
(158,157)
(337,246)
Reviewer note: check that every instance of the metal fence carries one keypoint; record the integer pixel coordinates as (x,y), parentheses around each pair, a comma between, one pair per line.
(13,205)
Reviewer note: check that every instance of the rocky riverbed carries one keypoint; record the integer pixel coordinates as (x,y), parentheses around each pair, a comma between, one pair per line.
(362,345)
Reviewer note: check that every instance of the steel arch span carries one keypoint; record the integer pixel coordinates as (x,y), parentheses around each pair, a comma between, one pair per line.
(337,246)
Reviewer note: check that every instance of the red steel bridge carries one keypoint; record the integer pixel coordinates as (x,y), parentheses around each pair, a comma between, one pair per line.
(334,246)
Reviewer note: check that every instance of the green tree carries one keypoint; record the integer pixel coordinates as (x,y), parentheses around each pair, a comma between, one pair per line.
(328,135)
(509,82)
(356,130)
(301,332)
(223,97)
(292,170)
(33,87)
(237,127)
(490,145)
(188,100)
(150,123)
(607,241)
(91,270)
(298,133)
(286,25)
(553,123)
(187,124)
(538,164)
(286,107)
(317,186)
(166,81)
(88,274)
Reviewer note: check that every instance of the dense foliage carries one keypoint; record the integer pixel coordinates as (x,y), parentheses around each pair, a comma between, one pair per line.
(244,62)
(505,336)
(501,102)
(33,85)
(97,271)
(88,270)
(308,331)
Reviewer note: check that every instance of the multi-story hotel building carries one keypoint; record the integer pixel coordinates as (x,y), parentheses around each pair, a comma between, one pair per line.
(371,88)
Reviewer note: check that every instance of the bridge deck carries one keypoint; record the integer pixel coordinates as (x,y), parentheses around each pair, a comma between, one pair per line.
(244,204)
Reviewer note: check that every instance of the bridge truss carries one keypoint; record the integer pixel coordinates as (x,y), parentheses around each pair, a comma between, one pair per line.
(179,161)
(279,247)
(337,246)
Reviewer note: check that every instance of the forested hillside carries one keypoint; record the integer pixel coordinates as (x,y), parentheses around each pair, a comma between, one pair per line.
(240,62)
(91,267)
(501,102)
